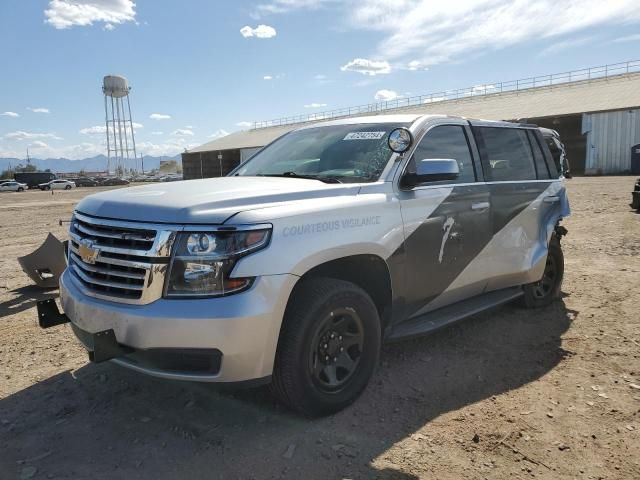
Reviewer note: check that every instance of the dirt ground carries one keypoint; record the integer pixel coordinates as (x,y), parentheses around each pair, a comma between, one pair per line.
(552,393)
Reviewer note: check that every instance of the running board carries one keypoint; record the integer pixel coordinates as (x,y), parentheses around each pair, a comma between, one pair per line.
(445,316)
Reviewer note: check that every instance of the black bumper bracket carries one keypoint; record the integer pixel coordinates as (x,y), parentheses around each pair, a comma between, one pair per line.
(49,315)
(106,347)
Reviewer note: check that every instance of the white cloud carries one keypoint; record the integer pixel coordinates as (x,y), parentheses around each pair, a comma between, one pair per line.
(73,152)
(315,105)
(68,13)
(414,65)
(101,129)
(98,129)
(261,31)
(628,38)
(9,114)
(482,89)
(38,109)
(219,133)
(284,6)
(434,32)
(21,135)
(182,132)
(157,133)
(159,116)
(38,144)
(165,149)
(386,95)
(367,67)
(244,124)
(267,77)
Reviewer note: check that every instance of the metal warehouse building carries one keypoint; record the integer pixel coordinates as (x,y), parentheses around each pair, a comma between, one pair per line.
(595,110)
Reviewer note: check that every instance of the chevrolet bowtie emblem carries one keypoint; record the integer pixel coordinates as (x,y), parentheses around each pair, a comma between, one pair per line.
(87,251)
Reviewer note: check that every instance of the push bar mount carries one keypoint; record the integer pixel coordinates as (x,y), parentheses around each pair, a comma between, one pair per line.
(106,347)
(49,315)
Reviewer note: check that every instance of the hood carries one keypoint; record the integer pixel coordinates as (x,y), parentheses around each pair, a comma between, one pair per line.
(208,201)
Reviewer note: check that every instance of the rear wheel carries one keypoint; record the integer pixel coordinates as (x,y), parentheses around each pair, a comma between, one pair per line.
(547,289)
(328,348)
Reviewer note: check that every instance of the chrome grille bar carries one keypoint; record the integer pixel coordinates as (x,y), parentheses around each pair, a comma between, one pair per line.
(105,283)
(106,271)
(129,259)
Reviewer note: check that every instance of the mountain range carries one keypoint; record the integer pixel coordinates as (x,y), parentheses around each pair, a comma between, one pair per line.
(92,164)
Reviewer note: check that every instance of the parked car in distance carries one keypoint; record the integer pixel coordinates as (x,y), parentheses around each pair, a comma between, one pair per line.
(84,182)
(113,181)
(12,186)
(34,179)
(558,151)
(57,185)
(296,267)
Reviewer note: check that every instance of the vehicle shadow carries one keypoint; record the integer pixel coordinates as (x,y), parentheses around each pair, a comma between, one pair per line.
(25,298)
(102,421)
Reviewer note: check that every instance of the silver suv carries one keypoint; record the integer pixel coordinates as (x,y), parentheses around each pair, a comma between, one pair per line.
(296,267)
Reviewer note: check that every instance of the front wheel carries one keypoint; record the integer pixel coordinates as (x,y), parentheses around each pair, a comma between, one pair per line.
(20,189)
(329,347)
(67,187)
(547,289)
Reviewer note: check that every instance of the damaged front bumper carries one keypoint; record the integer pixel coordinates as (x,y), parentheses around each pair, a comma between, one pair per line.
(102,346)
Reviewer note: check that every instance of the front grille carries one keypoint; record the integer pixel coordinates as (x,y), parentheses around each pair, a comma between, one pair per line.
(130,262)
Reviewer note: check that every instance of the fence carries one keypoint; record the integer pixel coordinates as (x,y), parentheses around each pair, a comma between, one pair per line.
(585,74)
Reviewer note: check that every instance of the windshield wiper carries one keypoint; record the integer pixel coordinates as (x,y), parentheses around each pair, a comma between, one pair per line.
(325,179)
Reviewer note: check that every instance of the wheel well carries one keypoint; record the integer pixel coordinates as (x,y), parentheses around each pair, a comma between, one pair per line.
(369,272)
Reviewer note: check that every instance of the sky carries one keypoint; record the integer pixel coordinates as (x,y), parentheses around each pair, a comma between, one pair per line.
(199,69)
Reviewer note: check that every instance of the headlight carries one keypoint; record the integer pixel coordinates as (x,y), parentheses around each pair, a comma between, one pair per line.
(202,261)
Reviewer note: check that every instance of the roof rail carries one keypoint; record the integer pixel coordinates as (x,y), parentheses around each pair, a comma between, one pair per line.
(582,75)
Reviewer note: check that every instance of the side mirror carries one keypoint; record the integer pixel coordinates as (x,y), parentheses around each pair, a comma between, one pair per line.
(432,170)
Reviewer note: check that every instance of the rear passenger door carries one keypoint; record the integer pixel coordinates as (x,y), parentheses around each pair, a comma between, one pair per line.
(523,195)
(446,223)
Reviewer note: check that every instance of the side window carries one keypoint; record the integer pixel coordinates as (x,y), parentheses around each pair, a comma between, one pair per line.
(553,156)
(506,154)
(541,166)
(447,141)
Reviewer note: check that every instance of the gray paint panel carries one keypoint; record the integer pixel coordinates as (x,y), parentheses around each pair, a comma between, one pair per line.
(438,251)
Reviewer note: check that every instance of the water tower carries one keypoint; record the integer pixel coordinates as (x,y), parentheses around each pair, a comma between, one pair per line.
(121,143)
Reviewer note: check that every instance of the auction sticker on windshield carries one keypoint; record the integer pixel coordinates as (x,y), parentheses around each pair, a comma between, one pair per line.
(364,136)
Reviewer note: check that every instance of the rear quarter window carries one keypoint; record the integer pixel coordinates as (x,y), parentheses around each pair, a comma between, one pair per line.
(506,154)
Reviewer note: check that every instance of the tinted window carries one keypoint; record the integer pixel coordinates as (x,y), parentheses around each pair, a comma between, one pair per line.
(555,159)
(506,154)
(447,141)
(541,166)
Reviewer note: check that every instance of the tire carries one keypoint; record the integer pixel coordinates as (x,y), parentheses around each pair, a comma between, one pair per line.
(67,187)
(545,291)
(322,325)
(20,189)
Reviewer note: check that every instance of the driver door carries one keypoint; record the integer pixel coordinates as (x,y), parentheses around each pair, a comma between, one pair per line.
(446,223)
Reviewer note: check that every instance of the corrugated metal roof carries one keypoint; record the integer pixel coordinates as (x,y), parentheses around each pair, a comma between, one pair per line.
(612,93)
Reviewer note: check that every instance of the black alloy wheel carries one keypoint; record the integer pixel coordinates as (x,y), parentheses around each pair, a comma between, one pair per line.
(336,349)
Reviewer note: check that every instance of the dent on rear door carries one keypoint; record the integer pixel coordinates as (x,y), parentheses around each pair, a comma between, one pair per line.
(523,217)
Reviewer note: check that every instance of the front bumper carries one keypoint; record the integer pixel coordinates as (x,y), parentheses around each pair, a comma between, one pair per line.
(241,330)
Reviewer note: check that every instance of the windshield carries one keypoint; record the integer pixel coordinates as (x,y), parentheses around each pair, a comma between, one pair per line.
(340,153)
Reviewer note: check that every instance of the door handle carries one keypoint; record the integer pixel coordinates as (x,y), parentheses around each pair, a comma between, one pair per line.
(480,206)
(551,199)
